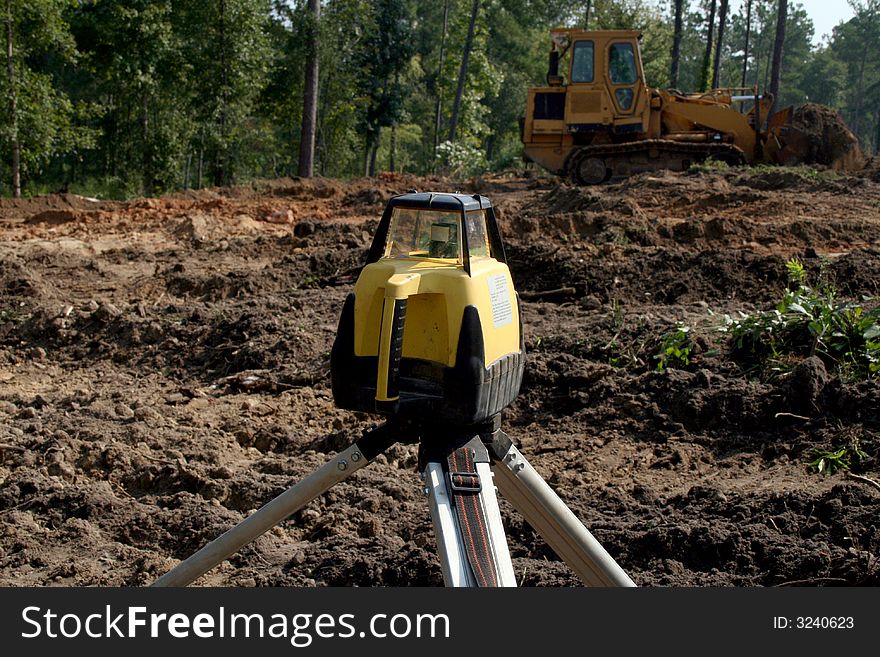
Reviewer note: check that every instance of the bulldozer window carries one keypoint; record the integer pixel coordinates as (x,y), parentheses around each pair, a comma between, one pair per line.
(582,62)
(477,238)
(423,234)
(622,63)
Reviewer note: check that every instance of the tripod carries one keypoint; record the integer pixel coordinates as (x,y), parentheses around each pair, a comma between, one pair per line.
(458,466)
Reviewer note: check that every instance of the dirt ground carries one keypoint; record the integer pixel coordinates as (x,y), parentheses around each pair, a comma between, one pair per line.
(164,371)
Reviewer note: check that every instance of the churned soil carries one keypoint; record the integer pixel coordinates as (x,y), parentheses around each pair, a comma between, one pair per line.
(164,371)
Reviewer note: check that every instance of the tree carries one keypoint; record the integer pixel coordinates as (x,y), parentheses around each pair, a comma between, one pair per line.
(745,66)
(227,43)
(722,20)
(385,54)
(707,56)
(462,73)
(778,43)
(855,43)
(438,84)
(135,55)
(310,94)
(679,6)
(38,121)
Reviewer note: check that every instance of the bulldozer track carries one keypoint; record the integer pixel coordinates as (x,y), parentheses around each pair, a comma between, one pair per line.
(592,165)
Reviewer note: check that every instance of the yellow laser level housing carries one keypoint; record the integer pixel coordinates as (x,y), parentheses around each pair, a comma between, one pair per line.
(433,327)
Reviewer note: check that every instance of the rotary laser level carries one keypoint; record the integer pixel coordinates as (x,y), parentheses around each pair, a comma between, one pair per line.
(433,328)
(431,337)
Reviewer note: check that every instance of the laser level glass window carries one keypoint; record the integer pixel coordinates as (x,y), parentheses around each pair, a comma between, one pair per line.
(622,63)
(582,62)
(423,234)
(477,238)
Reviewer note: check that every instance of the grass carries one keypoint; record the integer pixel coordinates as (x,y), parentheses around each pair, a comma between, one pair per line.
(802,171)
(106,189)
(709,165)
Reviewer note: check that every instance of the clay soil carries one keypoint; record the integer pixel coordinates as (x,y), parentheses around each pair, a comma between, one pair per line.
(164,371)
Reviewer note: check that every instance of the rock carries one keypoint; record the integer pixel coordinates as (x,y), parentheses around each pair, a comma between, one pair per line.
(107,312)
(123,411)
(194,228)
(280,217)
(590,302)
(145,413)
(61,469)
(370,528)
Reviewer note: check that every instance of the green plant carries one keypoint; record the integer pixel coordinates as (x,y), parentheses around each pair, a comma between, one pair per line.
(310,281)
(12,316)
(830,461)
(675,348)
(809,320)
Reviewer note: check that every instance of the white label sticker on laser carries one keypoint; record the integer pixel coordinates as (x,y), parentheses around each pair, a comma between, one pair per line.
(499,296)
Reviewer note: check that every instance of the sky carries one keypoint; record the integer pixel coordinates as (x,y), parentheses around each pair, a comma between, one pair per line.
(825,14)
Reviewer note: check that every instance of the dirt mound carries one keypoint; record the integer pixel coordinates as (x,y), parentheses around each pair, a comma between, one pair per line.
(824,138)
(54,208)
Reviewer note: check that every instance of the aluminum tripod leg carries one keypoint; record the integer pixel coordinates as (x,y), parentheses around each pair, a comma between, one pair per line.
(454,563)
(529,494)
(342,466)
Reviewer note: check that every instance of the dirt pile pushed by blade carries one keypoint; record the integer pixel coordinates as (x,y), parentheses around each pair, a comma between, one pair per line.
(818,135)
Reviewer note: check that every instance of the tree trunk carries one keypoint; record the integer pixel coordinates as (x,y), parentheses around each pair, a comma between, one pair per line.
(587,15)
(707,56)
(186,167)
(746,48)
(462,72)
(392,149)
(13,105)
(310,97)
(221,157)
(371,147)
(439,83)
(758,49)
(146,153)
(201,167)
(319,161)
(722,19)
(676,45)
(776,72)
(368,150)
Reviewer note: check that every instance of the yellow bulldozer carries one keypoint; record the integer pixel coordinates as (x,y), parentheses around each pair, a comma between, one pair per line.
(598,119)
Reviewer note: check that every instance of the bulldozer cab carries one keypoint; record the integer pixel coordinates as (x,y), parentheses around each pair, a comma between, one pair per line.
(605,78)
(595,93)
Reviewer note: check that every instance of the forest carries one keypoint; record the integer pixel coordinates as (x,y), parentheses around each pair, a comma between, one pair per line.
(119,98)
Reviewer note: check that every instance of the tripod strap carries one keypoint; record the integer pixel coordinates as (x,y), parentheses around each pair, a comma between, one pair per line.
(465,489)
